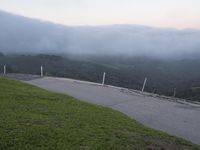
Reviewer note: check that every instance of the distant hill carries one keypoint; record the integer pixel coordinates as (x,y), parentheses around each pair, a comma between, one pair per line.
(163,76)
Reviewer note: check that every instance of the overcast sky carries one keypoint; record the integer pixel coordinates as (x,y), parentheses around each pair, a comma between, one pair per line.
(158,13)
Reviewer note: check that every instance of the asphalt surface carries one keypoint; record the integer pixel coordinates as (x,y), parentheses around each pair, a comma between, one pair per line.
(23,77)
(177,119)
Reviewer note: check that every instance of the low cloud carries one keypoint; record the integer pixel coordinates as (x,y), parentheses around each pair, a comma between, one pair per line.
(23,35)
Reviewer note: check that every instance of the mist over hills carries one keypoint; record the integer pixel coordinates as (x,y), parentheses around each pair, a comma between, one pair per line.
(20,34)
(169,58)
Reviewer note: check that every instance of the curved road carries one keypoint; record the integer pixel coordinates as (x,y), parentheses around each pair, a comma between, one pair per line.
(174,118)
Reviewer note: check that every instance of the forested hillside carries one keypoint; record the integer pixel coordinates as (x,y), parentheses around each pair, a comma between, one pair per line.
(163,75)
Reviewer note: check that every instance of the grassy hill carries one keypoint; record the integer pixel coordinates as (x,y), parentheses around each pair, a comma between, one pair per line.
(35,119)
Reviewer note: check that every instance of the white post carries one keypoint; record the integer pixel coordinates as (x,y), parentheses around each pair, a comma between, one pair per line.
(104,76)
(145,80)
(41,71)
(4,69)
(174,95)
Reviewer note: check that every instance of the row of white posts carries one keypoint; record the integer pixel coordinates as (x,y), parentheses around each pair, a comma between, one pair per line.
(143,87)
(41,71)
(103,80)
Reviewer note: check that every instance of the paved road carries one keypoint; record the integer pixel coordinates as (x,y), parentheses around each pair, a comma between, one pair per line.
(174,118)
(18,76)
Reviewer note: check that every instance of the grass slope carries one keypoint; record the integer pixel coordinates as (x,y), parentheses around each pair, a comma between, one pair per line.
(35,119)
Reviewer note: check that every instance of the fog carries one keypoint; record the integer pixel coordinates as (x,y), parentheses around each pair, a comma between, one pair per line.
(24,35)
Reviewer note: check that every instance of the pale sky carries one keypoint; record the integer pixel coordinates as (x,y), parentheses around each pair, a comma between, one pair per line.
(158,13)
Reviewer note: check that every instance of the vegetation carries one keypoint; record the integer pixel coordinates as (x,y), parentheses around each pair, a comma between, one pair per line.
(163,76)
(1,54)
(32,118)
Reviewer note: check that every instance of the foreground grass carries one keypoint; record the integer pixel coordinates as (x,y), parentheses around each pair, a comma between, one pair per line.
(34,119)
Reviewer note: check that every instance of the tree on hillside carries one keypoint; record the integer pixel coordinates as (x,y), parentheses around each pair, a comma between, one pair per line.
(1,54)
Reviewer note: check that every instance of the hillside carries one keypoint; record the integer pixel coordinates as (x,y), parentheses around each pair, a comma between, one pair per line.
(33,118)
(163,76)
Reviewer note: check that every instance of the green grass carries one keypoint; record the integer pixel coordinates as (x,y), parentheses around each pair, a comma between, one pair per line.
(35,119)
